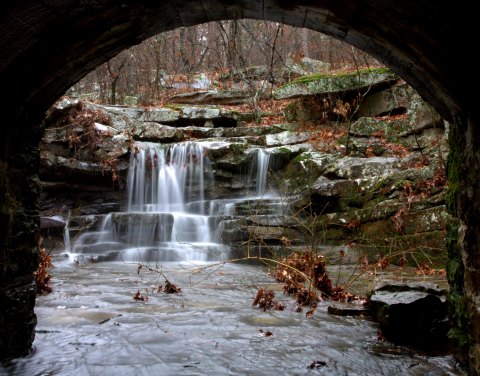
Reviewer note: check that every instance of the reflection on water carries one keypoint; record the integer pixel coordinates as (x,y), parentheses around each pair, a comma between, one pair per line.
(91,325)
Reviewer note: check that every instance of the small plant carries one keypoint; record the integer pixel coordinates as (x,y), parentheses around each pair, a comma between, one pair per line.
(265,300)
(42,276)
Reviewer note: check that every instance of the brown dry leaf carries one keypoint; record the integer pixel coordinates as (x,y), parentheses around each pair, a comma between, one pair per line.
(399,221)
(383,262)
(363,260)
(138,296)
(317,364)
(403,260)
(42,276)
(310,313)
(170,288)
(265,334)
(264,299)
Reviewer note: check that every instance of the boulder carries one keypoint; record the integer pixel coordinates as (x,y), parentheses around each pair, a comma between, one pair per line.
(413,314)
(304,66)
(395,99)
(337,83)
(286,138)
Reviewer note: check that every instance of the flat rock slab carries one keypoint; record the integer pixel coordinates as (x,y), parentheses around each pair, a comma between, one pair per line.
(325,84)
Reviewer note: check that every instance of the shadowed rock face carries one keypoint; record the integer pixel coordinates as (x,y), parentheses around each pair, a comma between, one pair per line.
(45,47)
(413,314)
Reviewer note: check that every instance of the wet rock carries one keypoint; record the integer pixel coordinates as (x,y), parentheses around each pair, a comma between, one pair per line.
(20,299)
(155,132)
(51,230)
(348,309)
(56,167)
(52,222)
(413,314)
(286,138)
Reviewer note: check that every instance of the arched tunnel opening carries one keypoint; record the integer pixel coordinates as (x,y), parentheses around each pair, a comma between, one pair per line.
(59,65)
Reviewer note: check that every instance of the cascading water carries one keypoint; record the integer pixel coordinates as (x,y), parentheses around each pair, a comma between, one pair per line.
(167,217)
(66,235)
(258,174)
(161,179)
(263,160)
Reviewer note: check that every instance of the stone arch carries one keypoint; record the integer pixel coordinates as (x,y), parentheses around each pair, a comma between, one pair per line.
(51,47)
(48,46)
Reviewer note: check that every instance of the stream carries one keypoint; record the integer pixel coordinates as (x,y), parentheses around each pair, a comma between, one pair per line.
(91,325)
(106,316)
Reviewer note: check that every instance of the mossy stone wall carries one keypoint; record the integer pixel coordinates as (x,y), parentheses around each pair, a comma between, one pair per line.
(19,240)
(463,241)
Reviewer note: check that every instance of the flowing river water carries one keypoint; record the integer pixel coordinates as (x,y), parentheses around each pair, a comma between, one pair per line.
(91,325)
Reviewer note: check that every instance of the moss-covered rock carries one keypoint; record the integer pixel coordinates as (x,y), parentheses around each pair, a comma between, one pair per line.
(340,82)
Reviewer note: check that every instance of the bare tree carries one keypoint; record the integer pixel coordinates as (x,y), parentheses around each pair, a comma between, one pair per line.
(144,71)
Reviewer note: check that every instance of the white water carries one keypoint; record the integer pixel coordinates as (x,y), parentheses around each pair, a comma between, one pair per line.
(263,160)
(167,216)
(66,235)
(161,179)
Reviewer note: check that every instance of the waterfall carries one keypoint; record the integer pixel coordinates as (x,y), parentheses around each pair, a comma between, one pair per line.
(263,160)
(166,179)
(167,216)
(66,235)
(160,179)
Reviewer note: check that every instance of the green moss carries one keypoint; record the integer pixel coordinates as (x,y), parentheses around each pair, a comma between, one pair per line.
(364,71)
(456,142)
(284,150)
(173,106)
(342,140)
(459,339)
(238,148)
(382,315)
(304,157)
(458,310)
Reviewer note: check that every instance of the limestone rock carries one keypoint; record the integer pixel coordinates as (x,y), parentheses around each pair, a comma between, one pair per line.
(324,84)
(212,97)
(395,99)
(354,168)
